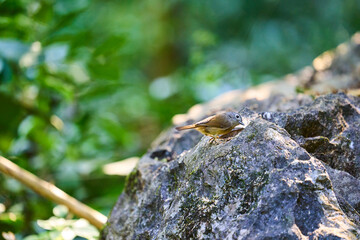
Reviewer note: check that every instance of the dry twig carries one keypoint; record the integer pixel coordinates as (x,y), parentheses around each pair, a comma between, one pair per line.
(51,192)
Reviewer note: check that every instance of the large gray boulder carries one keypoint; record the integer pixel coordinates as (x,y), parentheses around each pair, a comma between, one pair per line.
(292,173)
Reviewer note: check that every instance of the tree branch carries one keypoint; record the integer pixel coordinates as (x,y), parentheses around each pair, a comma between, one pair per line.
(51,192)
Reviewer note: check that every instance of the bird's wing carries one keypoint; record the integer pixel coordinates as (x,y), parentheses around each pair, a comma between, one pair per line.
(221,122)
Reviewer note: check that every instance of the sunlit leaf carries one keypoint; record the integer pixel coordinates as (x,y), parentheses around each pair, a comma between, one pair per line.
(60,211)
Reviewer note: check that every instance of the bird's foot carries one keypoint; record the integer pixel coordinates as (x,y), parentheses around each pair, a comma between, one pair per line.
(212,140)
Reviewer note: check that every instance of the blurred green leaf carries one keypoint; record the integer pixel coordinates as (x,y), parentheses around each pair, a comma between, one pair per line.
(14,112)
(65,7)
(5,72)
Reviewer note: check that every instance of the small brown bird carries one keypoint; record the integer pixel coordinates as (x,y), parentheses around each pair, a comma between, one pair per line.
(217,125)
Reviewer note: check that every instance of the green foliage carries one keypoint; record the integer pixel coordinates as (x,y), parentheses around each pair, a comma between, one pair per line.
(87,82)
(61,228)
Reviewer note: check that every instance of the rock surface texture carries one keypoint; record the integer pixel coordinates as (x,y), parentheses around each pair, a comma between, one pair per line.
(292,173)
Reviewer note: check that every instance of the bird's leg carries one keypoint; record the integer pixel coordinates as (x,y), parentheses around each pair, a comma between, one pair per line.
(211,139)
(217,137)
(225,139)
(214,139)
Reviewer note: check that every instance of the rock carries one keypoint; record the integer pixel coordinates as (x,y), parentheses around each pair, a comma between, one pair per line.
(347,190)
(329,129)
(292,173)
(262,183)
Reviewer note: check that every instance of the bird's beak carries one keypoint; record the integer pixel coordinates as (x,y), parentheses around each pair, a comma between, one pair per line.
(240,121)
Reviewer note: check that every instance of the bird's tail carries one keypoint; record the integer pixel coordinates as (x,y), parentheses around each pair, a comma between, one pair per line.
(185,127)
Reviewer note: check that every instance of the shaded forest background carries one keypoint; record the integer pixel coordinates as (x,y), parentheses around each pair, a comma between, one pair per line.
(84,83)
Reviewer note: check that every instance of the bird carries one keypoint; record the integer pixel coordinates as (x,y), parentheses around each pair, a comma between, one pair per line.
(216,125)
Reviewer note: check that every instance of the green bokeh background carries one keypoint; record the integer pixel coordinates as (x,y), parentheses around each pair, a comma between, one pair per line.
(84,83)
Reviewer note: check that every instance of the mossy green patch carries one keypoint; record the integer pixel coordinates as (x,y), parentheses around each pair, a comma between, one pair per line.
(132,182)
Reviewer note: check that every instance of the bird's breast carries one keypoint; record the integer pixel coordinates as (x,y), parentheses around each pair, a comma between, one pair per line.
(213,130)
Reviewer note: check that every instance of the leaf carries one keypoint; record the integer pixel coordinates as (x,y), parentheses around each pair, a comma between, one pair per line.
(5,71)
(14,113)
(65,7)
(60,211)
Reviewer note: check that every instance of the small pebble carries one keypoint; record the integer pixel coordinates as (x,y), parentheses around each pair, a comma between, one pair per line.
(266,115)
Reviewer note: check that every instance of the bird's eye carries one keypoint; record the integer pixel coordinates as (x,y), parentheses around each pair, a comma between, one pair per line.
(237,116)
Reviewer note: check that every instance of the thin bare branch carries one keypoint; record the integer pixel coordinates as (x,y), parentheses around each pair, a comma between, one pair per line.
(51,192)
